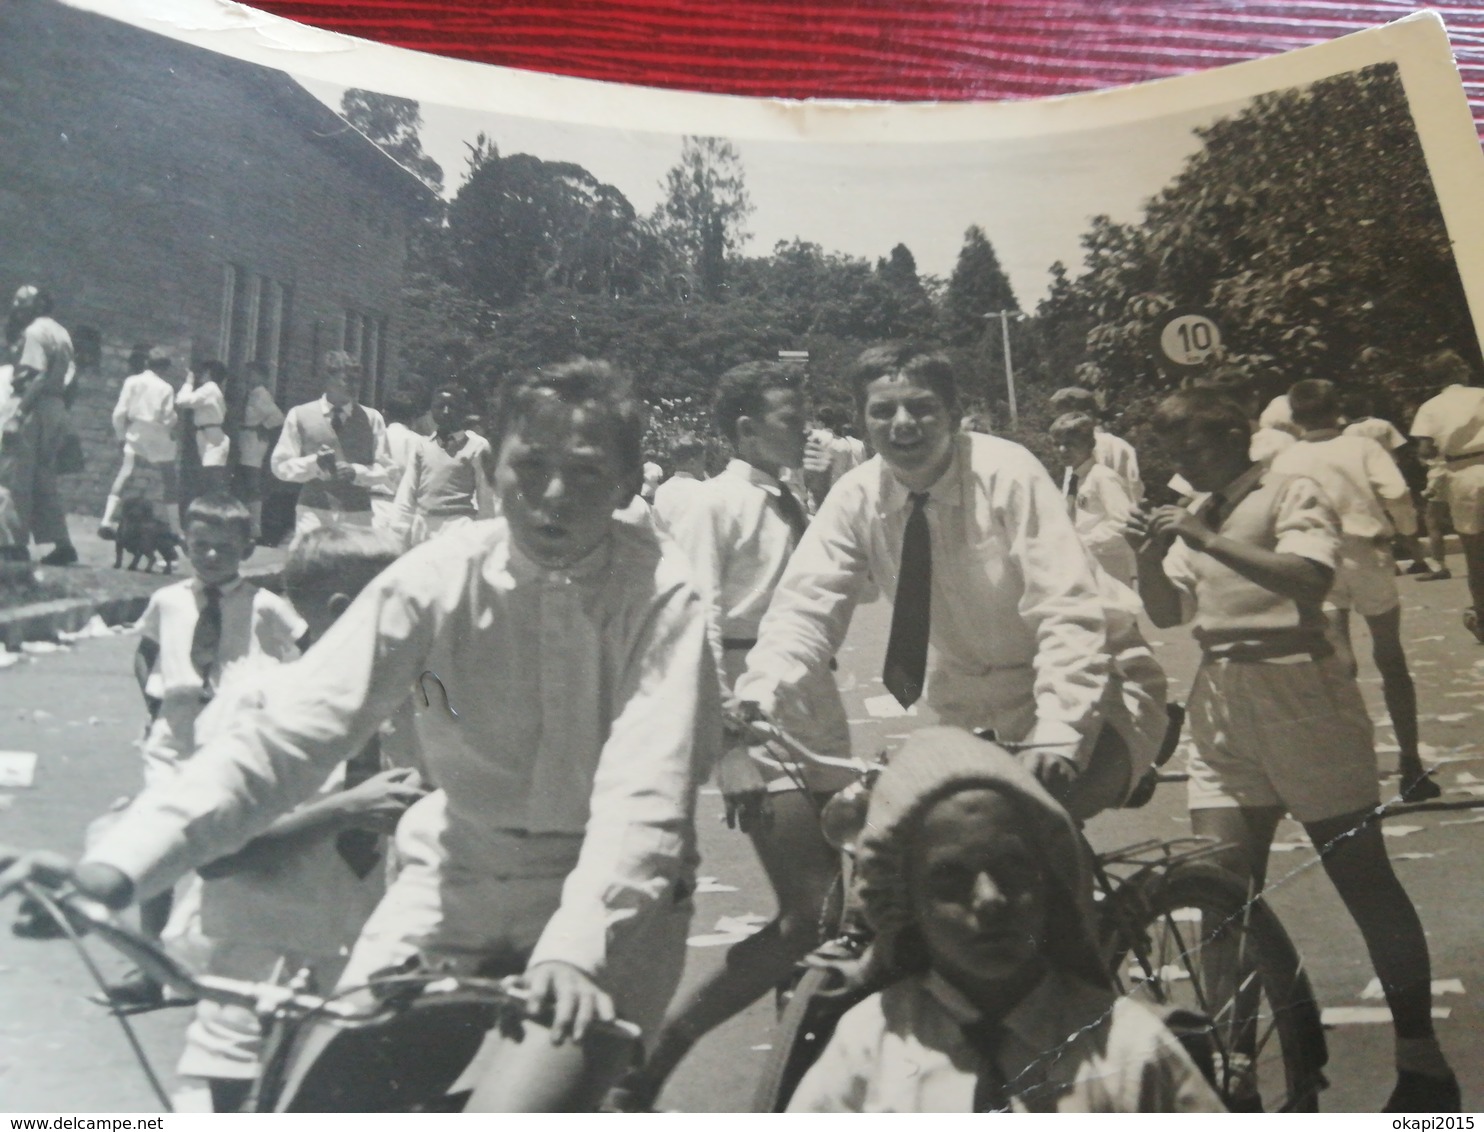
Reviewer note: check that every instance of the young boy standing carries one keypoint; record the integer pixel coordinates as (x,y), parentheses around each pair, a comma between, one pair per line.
(738,535)
(678,494)
(1278,722)
(294,898)
(444,484)
(190,633)
(260,422)
(205,399)
(1097,498)
(579,714)
(1110,451)
(997,997)
(1373,501)
(144,422)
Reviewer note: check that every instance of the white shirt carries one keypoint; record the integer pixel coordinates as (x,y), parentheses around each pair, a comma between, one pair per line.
(1382,432)
(144,417)
(294,466)
(1100,512)
(1116,453)
(674,498)
(400,442)
(1454,420)
(210,408)
(1068,1047)
(1360,479)
(1277,413)
(1019,631)
(260,412)
(587,709)
(254,621)
(738,543)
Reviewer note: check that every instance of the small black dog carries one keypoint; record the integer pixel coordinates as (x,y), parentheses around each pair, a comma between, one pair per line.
(144,535)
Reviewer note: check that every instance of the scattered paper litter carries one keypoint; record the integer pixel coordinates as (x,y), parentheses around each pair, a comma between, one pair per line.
(1463,695)
(1477,819)
(1452,717)
(1424,640)
(40,648)
(1387,748)
(1401,830)
(17,768)
(729,930)
(1415,856)
(886,707)
(1290,846)
(1170,973)
(1467,777)
(1367,1015)
(9,658)
(710,790)
(1373,990)
(711,884)
(1423,663)
(748,922)
(762,1046)
(41,714)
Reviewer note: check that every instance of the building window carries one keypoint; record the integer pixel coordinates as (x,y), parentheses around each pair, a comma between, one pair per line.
(254,318)
(363,336)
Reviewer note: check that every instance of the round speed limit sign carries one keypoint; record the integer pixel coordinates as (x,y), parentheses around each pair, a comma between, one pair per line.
(1189,339)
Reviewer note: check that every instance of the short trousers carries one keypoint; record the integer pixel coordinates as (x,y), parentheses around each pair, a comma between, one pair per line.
(1365,579)
(1293,736)
(1466,497)
(467,918)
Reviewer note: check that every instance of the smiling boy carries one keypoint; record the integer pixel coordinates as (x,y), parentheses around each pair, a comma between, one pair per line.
(972,541)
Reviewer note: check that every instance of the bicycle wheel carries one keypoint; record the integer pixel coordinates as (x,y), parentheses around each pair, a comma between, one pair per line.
(1191,945)
(817,1002)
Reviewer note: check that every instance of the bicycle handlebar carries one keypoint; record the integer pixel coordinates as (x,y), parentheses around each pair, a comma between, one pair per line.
(87,916)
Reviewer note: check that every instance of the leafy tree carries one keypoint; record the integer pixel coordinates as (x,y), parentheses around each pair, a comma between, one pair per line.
(520,224)
(705,209)
(978,286)
(1307,224)
(393,124)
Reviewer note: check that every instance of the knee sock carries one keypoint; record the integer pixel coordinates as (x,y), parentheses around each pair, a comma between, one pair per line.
(110,510)
(1422,1055)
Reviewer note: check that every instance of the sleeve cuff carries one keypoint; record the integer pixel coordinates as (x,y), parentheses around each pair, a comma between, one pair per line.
(1321,548)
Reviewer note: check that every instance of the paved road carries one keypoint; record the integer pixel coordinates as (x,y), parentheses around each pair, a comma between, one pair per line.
(78,709)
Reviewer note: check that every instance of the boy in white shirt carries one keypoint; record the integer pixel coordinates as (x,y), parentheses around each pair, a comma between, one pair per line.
(678,494)
(1111,451)
(144,422)
(445,483)
(738,535)
(1097,498)
(190,633)
(261,420)
(205,399)
(970,537)
(1372,500)
(1357,406)
(407,426)
(294,898)
(580,712)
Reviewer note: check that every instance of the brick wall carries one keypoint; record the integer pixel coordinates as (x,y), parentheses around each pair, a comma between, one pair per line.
(137,170)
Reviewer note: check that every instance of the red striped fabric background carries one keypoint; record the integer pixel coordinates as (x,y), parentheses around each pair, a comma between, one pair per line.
(904,49)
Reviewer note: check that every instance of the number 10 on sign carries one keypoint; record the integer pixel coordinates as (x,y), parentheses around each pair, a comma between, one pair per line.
(1189,339)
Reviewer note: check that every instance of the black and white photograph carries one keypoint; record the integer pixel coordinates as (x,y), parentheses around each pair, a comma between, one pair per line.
(522,594)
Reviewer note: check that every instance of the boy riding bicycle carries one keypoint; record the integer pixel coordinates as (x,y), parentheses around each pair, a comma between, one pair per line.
(580,712)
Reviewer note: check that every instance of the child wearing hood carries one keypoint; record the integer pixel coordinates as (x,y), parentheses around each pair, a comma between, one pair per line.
(977,885)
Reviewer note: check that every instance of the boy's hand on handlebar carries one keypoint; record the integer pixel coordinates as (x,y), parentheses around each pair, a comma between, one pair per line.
(571,997)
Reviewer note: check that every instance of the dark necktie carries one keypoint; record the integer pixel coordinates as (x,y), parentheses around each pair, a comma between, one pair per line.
(206,638)
(360,848)
(338,416)
(906,649)
(991,1089)
(792,511)
(1072,484)
(1215,511)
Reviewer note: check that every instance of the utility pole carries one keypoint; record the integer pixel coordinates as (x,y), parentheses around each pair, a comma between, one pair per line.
(1005,317)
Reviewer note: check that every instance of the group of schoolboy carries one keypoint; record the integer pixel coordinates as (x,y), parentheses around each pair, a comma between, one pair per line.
(584,660)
